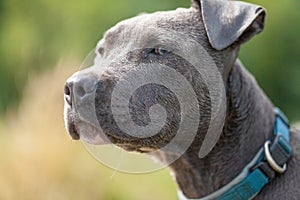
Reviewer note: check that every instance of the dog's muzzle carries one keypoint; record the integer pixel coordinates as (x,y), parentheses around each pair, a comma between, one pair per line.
(80,118)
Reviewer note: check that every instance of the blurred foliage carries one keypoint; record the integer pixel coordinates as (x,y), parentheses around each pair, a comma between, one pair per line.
(274,55)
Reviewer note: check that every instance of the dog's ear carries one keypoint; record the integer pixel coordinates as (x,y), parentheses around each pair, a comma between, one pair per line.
(227,22)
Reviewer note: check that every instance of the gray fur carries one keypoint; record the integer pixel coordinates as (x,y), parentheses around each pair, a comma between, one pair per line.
(249,118)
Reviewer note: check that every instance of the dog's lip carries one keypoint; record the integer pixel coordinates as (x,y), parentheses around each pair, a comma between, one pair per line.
(73,131)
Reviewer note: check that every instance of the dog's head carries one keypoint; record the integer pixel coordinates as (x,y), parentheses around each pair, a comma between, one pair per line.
(155,72)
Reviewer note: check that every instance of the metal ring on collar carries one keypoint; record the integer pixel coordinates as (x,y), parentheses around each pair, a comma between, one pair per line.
(271,161)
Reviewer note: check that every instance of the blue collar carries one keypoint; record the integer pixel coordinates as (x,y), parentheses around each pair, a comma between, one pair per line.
(269,161)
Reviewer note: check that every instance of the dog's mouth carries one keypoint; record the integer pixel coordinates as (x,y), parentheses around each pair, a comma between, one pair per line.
(70,122)
(73,131)
(88,133)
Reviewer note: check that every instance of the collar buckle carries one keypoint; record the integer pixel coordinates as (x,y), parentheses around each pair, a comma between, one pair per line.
(271,161)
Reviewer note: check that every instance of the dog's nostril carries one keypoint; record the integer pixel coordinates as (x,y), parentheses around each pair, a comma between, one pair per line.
(68,95)
(67,90)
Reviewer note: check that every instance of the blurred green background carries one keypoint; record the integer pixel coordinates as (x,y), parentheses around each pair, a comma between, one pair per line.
(44,41)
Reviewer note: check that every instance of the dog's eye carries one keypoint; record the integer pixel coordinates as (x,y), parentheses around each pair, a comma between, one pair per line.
(159,51)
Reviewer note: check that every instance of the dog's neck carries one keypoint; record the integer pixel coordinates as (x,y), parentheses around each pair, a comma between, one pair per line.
(248,124)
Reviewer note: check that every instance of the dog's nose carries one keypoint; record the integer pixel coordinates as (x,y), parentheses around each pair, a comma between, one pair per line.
(78,86)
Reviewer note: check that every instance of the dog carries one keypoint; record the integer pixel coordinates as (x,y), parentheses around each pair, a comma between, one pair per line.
(158,45)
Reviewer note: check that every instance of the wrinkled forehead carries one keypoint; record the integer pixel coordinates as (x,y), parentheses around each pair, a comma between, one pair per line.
(146,29)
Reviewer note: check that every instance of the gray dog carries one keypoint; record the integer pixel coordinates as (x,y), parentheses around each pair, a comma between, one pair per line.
(256,155)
